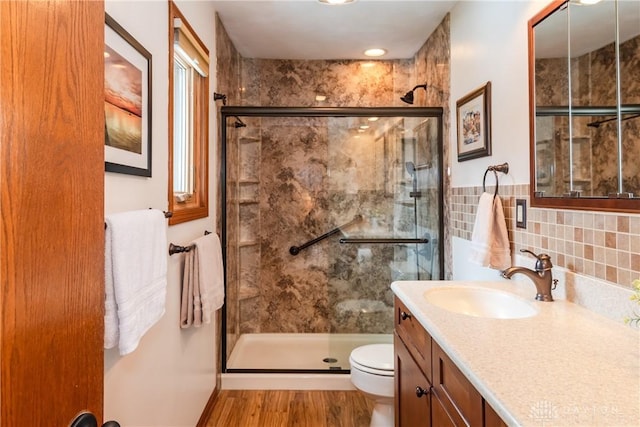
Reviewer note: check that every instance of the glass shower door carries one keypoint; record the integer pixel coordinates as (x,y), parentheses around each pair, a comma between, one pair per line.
(323,212)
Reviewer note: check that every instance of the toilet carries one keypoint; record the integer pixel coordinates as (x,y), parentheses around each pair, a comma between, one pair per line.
(372,373)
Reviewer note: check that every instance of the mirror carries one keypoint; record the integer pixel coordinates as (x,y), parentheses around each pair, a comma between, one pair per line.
(584,89)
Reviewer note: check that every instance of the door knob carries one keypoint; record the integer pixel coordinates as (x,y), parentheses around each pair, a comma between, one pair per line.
(87,419)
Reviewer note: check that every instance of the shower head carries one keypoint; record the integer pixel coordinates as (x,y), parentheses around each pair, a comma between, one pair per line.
(408,97)
(239,123)
(220,97)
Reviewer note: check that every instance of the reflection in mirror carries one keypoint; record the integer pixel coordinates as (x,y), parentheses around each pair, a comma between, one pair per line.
(629,23)
(578,154)
(592,36)
(551,86)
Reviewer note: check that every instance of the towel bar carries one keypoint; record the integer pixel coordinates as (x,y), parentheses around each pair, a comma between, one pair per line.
(177,249)
(167,214)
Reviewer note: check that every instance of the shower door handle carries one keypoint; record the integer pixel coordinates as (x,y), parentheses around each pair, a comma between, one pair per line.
(384,241)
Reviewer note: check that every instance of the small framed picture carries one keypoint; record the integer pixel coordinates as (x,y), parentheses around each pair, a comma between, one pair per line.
(473,116)
(127,102)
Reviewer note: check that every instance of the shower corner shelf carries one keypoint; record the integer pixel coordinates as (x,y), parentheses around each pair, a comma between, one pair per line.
(247,202)
(248,243)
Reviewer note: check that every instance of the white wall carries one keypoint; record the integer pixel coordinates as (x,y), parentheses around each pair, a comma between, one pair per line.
(489,43)
(168,379)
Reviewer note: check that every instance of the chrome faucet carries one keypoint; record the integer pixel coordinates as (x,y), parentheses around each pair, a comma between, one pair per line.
(541,275)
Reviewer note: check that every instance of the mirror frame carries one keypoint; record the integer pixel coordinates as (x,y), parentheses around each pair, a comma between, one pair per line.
(592,204)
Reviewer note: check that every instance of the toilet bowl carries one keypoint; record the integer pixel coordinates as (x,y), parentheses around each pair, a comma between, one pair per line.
(372,371)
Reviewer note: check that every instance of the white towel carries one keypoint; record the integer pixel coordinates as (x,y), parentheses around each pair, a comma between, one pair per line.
(203,282)
(490,240)
(135,276)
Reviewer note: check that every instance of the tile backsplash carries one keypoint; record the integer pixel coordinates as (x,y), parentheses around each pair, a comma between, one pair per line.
(605,246)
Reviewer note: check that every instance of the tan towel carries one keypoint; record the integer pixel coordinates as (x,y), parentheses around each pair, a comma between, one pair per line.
(211,274)
(490,240)
(203,282)
(186,304)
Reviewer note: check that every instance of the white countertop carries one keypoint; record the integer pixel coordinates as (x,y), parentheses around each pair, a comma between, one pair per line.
(565,366)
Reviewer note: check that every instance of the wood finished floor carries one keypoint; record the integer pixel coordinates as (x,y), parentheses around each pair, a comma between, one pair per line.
(289,408)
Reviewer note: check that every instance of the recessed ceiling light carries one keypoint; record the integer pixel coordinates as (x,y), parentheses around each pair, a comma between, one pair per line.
(375,52)
(335,2)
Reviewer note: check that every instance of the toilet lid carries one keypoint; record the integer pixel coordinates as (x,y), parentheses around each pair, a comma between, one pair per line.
(374,356)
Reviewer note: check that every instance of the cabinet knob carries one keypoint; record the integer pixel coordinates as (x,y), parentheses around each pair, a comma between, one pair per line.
(404,315)
(421,392)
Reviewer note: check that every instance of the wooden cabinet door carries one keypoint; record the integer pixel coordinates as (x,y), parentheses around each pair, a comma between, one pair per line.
(458,396)
(411,409)
(491,418)
(52,205)
(439,416)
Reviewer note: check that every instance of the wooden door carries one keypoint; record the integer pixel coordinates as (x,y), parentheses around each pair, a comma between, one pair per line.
(52,224)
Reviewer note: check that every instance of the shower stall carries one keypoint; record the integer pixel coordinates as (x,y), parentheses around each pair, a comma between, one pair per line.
(322,209)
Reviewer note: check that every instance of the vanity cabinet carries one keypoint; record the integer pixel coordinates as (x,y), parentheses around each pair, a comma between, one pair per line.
(430,390)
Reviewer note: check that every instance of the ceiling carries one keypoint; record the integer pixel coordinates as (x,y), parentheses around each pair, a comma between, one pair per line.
(307,29)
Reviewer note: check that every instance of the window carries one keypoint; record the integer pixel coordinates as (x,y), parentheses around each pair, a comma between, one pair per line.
(188,121)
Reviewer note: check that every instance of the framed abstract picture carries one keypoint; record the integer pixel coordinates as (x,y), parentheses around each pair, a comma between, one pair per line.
(127,102)
(473,116)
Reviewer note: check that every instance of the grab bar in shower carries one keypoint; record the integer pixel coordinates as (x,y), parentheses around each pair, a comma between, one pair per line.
(295,250)
(384,241)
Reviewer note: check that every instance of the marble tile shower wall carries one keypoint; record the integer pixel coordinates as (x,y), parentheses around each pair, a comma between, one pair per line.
(345,83)
(290,294)
(228,82)
(597,244)
(432,64)
(302,178)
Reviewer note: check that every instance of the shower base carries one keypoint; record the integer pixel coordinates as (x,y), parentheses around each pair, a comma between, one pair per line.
(296,361)
(299,352)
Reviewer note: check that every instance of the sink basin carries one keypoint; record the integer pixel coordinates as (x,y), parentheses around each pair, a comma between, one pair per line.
(480,302)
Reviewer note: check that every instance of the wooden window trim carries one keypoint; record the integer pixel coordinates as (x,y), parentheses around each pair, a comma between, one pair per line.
(198,206)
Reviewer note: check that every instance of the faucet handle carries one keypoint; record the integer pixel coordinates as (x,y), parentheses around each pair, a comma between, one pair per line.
(543,262)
